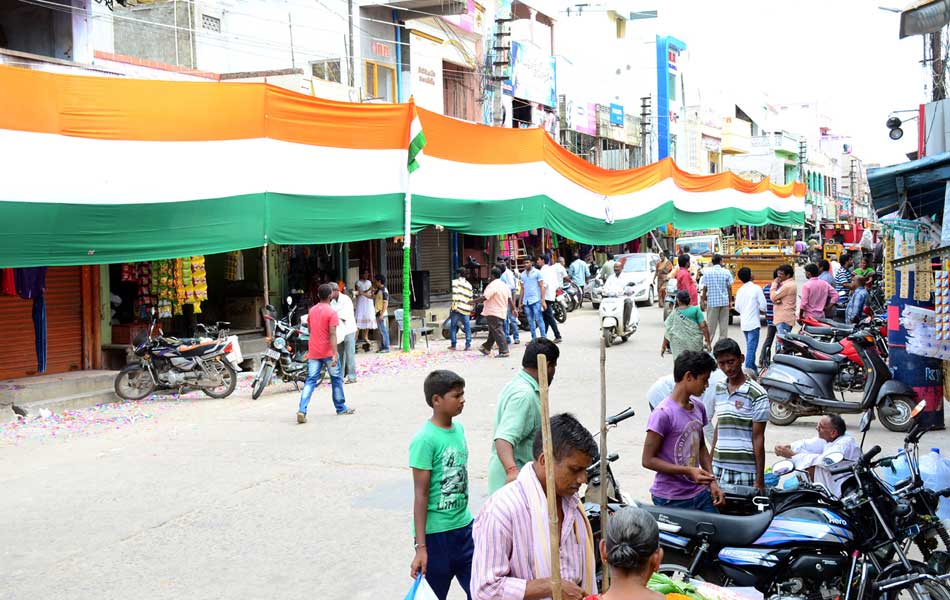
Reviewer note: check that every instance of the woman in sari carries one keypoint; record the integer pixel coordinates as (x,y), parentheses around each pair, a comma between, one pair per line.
(686,328)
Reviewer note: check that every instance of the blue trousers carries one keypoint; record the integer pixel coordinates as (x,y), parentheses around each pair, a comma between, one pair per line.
(511,327)
(454,318)
(751,345)
(314,368)
(450,556)
(533,312)
(702,501)
(383,333)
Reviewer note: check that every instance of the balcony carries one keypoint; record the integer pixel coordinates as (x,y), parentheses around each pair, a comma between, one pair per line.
(778,142)
(736,136)
(425,8)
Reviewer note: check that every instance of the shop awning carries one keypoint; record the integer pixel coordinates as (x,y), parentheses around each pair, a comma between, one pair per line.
(924,182)
(102,170)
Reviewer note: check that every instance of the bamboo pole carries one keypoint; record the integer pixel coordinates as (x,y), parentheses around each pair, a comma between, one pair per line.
(551,490)
(603,458)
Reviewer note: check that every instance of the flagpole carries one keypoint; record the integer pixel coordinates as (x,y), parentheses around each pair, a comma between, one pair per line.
(416,142)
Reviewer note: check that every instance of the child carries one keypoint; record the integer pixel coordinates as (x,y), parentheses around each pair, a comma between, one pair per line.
(742,410)
(674,445)
(438,455)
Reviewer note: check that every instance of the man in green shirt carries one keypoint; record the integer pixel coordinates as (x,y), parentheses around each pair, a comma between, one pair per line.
(518,417)
(438,456)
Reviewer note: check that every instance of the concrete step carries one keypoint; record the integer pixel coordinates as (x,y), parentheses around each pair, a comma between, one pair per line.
(43,387)
(62,403)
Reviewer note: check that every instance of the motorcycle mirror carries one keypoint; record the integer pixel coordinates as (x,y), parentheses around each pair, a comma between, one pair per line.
(919,408)
(290,301)
(866,421)
(783,467)
(832,458)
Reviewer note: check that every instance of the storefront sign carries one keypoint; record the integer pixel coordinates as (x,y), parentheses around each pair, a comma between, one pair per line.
(533,74)
(585,118)
(426,79)
(616,115)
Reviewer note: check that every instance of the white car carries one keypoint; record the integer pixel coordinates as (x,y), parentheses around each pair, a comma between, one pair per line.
(640,269)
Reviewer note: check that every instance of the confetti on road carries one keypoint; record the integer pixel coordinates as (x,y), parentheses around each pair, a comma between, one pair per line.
(118,415)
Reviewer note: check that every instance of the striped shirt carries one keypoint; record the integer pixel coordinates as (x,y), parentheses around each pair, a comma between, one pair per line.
(718,282)
(843,277)
(736,412)
(769,307)
(461,296)
(504,558)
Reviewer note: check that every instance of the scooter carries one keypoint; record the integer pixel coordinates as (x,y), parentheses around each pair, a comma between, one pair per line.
(612,309)
(573,296)
(559,306)
(851,373)
(800,387)
(669,300)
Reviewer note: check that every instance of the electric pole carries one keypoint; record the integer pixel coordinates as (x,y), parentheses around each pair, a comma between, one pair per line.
(646,114)
(937,62)
(349,58)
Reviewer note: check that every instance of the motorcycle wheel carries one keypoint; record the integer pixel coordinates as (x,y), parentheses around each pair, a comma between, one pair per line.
(608,336)
(262,380)
(781,414)
(228,374)
(560,315)
(931,589)
(134,382)
(903,420)
(446,330)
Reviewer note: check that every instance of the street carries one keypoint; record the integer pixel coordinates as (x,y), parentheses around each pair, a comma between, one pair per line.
(199,498)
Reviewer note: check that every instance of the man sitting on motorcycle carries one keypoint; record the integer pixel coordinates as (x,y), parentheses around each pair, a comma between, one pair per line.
(808,454)
(614,286)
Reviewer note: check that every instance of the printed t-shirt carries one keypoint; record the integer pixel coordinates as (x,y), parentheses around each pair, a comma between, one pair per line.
(517,421)
(444,452)
(735,414)
(496,299)
(320,319)
(682,432)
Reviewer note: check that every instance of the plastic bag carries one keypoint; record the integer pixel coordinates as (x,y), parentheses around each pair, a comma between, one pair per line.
(420,590)
(935,471)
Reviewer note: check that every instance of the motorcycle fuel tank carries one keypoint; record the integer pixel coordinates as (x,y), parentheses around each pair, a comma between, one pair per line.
(807,525)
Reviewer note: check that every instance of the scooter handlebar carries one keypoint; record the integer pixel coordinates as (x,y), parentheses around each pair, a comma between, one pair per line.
(870,454)
(626,414)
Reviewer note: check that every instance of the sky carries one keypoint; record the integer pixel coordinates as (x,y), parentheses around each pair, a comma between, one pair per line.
(844,54)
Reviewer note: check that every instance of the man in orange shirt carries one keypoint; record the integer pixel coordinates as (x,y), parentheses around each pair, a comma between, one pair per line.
(784,293)
(497,298)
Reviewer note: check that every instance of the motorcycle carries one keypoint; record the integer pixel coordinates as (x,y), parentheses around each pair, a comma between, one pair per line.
(800,386)
(612,322)
(477,321)
(168,363)
(559,306)
(829,330)
(669,301)
(573,296)
(286,353)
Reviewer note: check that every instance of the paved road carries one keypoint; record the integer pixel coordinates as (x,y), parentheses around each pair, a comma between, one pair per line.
(232,499)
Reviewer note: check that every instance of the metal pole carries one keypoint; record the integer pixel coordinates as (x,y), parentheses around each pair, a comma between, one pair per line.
(290,26)
(265,261)
(603,455)
(551,491)
(350,60)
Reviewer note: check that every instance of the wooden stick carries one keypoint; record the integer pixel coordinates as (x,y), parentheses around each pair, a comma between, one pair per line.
(551,490)
(605,568)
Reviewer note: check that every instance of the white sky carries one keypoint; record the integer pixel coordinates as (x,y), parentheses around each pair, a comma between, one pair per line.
(844,54)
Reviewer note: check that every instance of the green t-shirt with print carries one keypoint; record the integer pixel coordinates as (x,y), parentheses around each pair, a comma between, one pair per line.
(444,452)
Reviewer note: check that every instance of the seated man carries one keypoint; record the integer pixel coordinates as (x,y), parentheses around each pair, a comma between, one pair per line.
(808,454)
(512,556)
(614,286)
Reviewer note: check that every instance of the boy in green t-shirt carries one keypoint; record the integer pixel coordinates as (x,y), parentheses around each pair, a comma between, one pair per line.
(438,455)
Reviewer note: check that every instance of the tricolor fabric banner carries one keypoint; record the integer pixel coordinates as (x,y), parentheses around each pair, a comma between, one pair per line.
(101,170)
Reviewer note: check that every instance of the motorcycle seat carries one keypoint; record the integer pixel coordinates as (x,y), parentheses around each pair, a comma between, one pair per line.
(724,530)
(827,331)
(197,349)
(826,347)
(806,364)
(837,325)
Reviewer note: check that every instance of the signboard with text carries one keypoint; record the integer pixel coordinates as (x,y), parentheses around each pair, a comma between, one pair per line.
(533,74)
(616,114)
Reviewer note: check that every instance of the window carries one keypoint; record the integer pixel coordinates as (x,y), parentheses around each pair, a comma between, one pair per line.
(328,70)
(211,23)
(380,82)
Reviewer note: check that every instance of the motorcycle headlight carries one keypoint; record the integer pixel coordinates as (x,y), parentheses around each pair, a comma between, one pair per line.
(280,343)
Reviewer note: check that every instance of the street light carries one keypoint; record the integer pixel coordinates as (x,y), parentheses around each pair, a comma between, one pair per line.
(894,125)
(924,16)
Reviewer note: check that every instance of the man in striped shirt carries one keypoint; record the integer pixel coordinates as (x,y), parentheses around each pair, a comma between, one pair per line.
(461,309)
(512,557)
(843,277)
(742,410)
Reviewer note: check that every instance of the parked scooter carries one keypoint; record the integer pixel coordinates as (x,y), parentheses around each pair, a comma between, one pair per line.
(559,307)
(851,373)
(800,387)
(612,311)
(286,353)
(573,296)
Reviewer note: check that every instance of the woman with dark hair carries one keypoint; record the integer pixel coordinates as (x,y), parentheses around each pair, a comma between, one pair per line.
(686,328)
(631,546)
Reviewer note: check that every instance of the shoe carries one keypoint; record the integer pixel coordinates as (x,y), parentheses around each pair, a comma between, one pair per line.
(558,340)
(484,351)
(349,381)
(467,348)
(505,355)
(517,341)
(348,411)
(301,418)
(385,351)
(452,348)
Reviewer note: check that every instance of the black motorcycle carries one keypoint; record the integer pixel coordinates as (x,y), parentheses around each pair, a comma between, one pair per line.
(286,353)
(168,363)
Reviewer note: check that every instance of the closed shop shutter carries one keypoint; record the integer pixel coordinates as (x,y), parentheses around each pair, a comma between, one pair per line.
(63,327)
(435,249)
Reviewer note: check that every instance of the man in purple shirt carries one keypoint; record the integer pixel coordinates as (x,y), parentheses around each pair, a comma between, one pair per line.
(675,447)
(816,294)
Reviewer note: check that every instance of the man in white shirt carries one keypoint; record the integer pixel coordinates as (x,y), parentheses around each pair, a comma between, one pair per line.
(809,454)
(346,332)
(750,304)
(552,283)
(561,270)
(614,286)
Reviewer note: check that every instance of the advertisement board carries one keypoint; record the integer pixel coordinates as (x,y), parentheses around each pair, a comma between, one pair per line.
(426,78)
(533,74)
(616,114)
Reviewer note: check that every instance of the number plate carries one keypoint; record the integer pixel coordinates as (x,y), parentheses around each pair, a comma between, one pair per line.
(272,354)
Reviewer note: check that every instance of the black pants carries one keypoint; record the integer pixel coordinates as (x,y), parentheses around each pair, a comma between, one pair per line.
(496,335)
(450,557)
(765,357)
(549,321)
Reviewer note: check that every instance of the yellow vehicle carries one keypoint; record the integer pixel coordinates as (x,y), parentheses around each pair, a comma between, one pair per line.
(761,265)
(832,251)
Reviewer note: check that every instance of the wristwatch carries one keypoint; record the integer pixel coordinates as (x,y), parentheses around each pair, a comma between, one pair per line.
(417,546)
